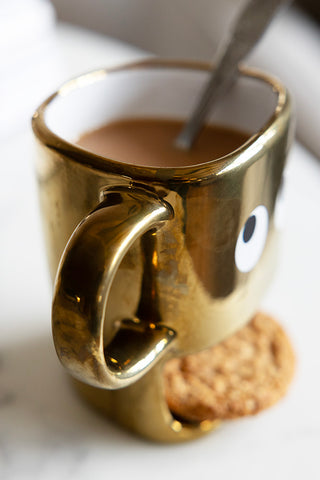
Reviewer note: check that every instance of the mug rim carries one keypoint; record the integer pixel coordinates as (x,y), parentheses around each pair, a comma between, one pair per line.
(191,173)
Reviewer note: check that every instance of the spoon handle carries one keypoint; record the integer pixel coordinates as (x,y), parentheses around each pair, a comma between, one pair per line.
(248,28)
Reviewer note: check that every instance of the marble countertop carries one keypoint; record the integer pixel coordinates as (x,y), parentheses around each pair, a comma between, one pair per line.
(46,432)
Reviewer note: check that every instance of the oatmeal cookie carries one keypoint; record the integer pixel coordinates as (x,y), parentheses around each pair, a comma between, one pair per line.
(248,372)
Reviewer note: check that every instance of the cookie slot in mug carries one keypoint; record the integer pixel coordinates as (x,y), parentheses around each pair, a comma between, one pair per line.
(246,373)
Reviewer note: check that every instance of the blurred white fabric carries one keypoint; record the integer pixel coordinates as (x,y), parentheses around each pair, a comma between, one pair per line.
(290,48)
(30,65)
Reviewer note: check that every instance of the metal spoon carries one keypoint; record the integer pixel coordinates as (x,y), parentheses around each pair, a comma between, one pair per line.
(248,28)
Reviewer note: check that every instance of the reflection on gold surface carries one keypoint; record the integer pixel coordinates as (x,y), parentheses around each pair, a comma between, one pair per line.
(150,271)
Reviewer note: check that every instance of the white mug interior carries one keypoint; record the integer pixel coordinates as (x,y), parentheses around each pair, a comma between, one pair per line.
(98,98)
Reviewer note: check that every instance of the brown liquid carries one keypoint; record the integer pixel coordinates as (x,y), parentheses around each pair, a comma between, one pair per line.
(149,142)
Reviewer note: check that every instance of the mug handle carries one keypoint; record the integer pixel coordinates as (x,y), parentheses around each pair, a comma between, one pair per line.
(85,274)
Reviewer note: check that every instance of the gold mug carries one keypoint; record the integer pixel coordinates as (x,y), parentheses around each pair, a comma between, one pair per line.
(153,263)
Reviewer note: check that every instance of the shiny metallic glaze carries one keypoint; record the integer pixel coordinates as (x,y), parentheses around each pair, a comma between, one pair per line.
(149,270)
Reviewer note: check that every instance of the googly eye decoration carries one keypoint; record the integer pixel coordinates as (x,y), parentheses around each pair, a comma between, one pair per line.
(252,239)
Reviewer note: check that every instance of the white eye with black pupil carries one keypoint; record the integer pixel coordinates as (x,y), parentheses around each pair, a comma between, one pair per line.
(252,239)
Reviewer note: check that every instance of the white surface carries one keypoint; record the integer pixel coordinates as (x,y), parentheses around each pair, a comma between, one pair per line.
(45,430)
